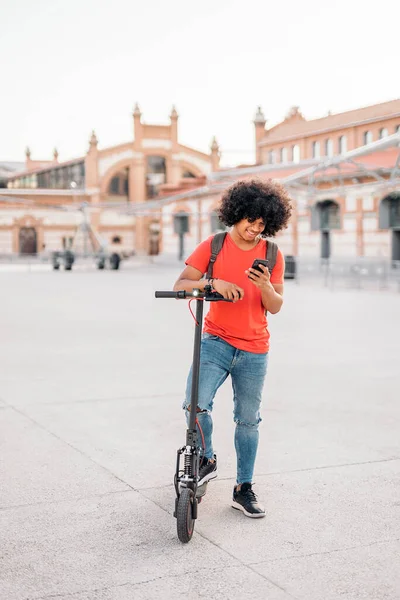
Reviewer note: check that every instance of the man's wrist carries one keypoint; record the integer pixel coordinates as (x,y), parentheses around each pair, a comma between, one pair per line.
(268,288)
(211,281)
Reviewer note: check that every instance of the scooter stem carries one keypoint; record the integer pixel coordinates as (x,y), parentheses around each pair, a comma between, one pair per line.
(191,434)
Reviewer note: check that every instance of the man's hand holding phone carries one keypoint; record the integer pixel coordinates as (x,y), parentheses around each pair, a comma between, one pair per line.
(259,273)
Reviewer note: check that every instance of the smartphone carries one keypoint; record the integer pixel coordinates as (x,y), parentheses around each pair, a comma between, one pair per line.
(259,261)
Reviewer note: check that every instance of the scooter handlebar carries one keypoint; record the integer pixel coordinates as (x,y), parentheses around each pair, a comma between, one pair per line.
(182,294)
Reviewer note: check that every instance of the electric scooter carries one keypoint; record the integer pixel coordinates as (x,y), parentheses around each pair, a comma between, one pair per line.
(188,493)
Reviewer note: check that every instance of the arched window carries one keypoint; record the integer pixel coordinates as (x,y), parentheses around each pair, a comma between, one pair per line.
(155,175)
(283,155)
(342,144)
(316,153)
(114,185)
(368,137)
(325,216)
(328,147)
(296,153)
(383,133)
(119,185)
(397,129)
(389,214)
(271,157)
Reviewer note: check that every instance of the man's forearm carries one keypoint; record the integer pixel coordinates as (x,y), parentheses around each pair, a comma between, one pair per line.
(188,285)
(272,301)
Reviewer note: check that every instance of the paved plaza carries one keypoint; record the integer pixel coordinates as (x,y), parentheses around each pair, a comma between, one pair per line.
(92,373)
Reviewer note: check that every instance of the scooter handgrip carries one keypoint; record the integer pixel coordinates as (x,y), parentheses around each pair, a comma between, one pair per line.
(216,297)
(181,294)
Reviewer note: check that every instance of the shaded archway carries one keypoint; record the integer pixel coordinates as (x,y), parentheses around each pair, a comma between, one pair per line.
(27,240)
(118,186)
(325,217)
(156,175)
(389,218)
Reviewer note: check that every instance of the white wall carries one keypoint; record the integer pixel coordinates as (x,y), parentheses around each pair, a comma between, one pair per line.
(378,244)
(343,244)
(5,242)
(53,239)
(309,244)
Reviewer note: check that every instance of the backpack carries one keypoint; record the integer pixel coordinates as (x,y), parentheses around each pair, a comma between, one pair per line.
(218,242)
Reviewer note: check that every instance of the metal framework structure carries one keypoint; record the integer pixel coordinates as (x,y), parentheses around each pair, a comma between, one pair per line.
(330,170)
(306,180)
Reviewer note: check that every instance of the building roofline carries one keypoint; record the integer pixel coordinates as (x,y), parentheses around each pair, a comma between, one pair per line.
(214,188)
(50,167)
(299,136)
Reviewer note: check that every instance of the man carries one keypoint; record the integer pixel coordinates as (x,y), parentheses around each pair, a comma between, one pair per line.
(235,341)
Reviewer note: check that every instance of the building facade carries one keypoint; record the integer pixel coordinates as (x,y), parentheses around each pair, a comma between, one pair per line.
(342,171)
(345,206)
(346,214)
(295,139)
(109,180)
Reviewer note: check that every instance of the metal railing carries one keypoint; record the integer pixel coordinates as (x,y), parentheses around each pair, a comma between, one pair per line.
(13,262)
(359,273)
(334,273)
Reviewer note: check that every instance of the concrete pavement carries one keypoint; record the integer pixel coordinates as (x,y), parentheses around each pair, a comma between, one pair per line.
(91,380)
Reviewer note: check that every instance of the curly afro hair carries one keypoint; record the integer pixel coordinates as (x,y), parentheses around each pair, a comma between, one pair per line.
(256,199)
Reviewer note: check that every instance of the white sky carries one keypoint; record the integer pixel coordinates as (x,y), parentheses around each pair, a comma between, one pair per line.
(70,66)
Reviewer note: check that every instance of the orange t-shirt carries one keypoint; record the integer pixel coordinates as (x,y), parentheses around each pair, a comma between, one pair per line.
(242,324)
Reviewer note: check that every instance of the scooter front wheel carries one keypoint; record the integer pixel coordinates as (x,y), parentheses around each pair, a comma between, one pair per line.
(184,515)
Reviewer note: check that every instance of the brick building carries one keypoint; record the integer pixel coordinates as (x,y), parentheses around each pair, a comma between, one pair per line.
(295,139)
(343,172)
(36,208)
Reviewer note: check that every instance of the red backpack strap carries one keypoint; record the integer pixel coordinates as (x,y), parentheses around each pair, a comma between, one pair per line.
(216,245)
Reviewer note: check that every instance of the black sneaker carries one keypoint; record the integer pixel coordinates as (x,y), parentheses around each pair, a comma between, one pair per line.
(208,470)
(246,501)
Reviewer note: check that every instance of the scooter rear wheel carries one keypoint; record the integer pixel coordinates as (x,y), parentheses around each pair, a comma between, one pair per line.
(184,515)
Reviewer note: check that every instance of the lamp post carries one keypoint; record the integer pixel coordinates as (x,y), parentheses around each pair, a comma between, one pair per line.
(84,225)
(181,226)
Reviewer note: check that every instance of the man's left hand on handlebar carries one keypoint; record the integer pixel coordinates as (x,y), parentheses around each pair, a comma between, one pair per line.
(230,291)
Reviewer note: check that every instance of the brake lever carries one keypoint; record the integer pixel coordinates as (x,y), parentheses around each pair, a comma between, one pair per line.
(215,297)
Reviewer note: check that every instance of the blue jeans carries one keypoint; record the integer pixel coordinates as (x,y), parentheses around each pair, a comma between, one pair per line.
(247,370)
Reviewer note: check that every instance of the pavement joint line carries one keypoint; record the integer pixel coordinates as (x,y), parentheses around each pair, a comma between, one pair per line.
(202,535)
(246,566)
(64,500)
(73,447)
(71,594)
(117,399)
(132,584)
(214,571)
(326,552)
(272,473)
(139,583)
